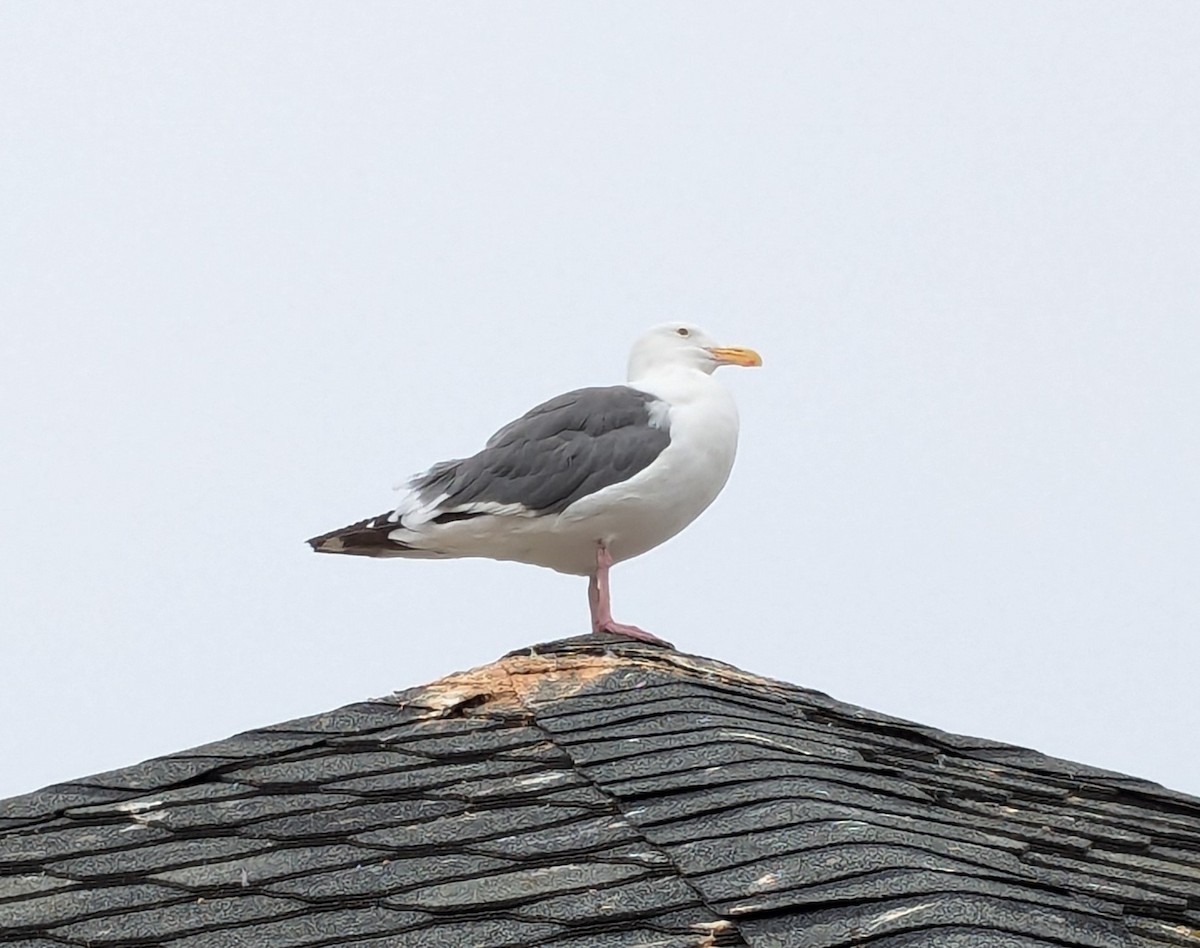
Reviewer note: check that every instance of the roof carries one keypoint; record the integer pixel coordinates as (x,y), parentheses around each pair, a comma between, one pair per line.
(602,792)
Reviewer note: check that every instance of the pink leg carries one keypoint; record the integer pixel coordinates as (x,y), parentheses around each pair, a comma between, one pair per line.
(601,603)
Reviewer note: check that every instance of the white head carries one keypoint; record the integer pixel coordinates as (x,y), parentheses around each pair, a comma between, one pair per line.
(686,346)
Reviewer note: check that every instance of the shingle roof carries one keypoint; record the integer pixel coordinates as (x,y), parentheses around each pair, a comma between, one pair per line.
(602,792)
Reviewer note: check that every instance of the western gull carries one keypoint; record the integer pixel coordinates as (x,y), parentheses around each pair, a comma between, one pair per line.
(582,481)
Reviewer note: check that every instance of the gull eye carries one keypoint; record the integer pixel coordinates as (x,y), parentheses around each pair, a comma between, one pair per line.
(683,331)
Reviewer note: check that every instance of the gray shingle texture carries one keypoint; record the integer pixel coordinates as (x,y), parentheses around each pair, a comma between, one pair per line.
(608,793)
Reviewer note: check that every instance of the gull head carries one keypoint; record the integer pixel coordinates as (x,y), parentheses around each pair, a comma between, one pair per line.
(685,346)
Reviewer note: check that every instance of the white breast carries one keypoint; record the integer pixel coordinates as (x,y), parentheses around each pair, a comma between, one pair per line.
(655,504)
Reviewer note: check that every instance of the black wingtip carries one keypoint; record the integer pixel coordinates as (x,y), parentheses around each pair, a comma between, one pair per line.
(368,537)
(327,543)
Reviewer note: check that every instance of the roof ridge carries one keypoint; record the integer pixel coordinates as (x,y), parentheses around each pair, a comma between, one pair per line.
(541,675)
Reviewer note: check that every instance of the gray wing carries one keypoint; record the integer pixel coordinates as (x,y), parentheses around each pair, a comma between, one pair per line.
(554,454)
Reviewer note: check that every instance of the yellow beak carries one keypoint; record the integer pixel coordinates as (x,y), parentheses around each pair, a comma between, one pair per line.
(734,355)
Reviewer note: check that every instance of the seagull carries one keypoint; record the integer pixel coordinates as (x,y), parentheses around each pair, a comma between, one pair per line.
(585,480)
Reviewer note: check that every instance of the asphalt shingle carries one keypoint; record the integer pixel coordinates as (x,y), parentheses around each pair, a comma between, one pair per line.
(608,793)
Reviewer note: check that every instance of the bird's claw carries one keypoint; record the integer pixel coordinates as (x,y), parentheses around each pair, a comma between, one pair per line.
(633,632)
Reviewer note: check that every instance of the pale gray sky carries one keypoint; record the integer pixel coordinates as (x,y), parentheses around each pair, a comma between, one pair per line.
(260,261)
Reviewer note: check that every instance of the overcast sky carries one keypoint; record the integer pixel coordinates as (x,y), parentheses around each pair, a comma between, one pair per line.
(261,261)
